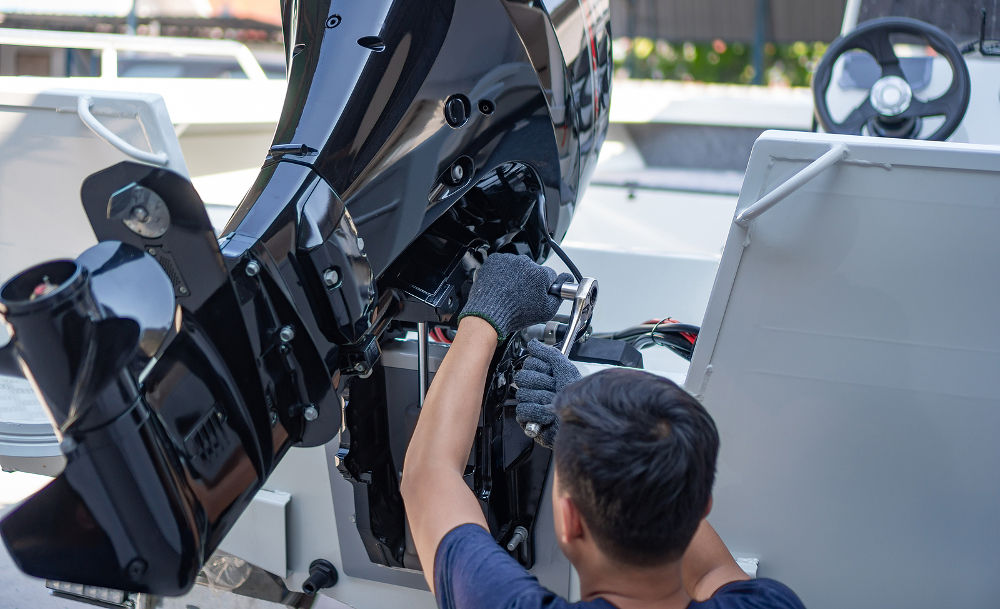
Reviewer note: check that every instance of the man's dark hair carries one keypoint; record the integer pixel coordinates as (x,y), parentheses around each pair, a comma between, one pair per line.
(636,453)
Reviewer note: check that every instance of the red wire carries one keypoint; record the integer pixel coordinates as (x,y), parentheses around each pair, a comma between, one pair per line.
(691,338)
(438,335)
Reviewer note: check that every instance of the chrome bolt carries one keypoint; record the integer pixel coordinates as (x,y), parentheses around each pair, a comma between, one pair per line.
(274,418)
(360,367)
(531,429)
(331,277)
(520,534)
(286,334)
(151,251)
(457,173)
(253,267)
(361,243)
(183,291)
(140,213)
(310,413)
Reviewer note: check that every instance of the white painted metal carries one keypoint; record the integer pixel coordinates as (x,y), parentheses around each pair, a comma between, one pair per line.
(830,158)
(224,125)
(849,357)
(110,45)
(260,535)
(851,11)
(304,473)
(713,104)
(83,104)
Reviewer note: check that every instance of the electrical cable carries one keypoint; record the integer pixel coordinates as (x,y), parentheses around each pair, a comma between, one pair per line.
(543,224)
(564,257)
(667,332)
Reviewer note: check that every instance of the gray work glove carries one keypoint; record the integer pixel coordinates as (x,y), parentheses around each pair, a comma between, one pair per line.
(511,293)
(545,373)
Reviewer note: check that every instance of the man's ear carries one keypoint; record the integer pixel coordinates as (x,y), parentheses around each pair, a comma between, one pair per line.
(708,508)
(572,522)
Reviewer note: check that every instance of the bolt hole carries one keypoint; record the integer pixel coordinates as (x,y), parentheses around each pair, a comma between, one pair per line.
(460,172)
(373,43)
(486,107)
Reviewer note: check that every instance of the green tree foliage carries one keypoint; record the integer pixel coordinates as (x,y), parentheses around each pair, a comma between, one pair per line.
(717,61)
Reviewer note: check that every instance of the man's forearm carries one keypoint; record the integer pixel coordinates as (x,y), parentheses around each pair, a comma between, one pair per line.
(447,424)
(434,492)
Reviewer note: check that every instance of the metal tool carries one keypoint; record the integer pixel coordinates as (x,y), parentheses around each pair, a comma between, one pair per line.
(423,370)
(583,296)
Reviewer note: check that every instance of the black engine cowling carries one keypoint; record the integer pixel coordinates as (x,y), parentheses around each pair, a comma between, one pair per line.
(416,138)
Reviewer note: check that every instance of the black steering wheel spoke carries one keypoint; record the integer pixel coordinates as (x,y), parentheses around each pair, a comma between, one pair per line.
(941,106)
(879,46)
(858,118)
(890,102)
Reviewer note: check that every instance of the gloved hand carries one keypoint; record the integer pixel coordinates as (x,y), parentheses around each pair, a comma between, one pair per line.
(511,293)
(545,373)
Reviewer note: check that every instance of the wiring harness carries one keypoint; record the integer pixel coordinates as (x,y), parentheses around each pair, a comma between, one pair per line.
(667,332)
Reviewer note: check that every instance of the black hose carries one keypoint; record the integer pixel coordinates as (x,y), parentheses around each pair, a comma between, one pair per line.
(564,257)
(540,210)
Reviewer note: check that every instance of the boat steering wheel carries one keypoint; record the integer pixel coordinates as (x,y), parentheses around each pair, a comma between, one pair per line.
(891,110)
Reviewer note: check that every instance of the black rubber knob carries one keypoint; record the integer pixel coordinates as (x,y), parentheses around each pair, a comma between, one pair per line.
(322,574)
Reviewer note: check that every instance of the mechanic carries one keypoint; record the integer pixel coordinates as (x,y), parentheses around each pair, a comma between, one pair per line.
(634,466)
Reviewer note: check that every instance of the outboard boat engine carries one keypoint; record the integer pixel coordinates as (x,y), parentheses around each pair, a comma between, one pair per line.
(178,368)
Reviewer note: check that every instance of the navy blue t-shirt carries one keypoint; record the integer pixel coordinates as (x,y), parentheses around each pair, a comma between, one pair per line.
(472,572)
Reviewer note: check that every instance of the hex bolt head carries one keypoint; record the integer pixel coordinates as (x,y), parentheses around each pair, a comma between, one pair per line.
(136,568)
(140,213)
(532,429)
(310,413)
(331,277)
(361,243)
(520,534)
(253,267)
(457,173)
(286,334)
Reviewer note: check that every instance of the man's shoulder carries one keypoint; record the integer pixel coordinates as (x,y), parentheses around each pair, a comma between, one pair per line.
(761,593)
(472,571)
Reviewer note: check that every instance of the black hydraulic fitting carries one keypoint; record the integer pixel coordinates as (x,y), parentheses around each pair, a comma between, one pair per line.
(322,574)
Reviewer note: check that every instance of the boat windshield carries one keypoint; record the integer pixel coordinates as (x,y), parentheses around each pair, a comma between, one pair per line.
(960,19)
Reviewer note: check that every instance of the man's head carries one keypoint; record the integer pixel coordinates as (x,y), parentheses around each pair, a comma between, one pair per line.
(635,461)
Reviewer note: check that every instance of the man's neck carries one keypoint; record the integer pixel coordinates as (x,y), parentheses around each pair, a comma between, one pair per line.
(635,587)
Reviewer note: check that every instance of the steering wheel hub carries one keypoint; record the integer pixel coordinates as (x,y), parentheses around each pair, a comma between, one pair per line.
(891,96)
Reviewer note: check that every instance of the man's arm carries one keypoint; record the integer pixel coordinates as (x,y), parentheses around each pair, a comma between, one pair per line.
(707,564)
(435,495)
(510,293)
